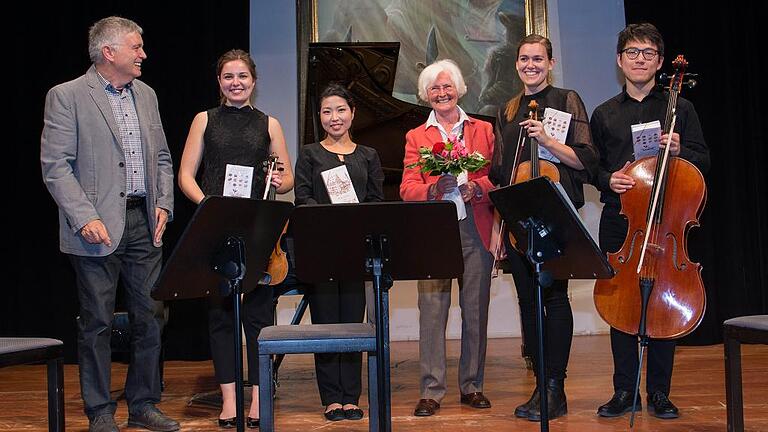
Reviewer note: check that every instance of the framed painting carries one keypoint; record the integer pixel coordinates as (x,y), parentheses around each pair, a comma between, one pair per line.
(481,36)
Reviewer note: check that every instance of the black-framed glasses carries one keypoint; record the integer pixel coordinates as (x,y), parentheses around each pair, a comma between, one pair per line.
(648,53)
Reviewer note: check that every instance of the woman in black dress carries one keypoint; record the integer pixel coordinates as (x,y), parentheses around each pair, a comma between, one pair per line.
(331,171)
(232,135)
(571,157)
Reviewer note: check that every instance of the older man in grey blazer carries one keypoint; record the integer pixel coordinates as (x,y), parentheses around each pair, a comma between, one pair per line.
(106,163)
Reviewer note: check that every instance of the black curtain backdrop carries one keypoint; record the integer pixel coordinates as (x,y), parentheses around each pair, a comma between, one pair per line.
(724,43)
(49,46)
(183,40)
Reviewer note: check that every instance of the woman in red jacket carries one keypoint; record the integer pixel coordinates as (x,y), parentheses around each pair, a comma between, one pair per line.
(441,85)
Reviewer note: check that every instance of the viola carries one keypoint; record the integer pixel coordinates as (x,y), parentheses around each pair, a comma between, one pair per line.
(278,260)
(657,291)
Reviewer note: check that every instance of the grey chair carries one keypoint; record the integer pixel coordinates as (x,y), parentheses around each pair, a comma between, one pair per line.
(736,331)
(19,351)
(315,338)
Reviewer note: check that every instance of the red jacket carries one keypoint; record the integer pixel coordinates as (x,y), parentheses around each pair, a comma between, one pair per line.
(478,136)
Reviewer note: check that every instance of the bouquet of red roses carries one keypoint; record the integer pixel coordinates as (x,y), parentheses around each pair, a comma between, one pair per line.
(449,157)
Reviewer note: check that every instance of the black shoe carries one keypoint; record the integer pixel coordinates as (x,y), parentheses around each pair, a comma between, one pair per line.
(620,403)
(522,410)
(557,405)
(335,414)
(426,407)
(353,414)
(475,400)
(660,406)
(103,423)
(228,423)
(153,419)
(252,423)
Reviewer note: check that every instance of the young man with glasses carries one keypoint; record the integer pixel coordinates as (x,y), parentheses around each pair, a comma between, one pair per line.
(639,54)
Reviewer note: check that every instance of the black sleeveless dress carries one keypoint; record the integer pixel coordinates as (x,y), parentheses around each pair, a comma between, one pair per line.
(237,136)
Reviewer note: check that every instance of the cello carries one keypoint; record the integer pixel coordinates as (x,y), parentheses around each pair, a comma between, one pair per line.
(657,291)
(278,260)
(521,172)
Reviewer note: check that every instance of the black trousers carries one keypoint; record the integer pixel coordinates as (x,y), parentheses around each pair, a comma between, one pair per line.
(661,353)
(558,316)
(257,311)
(137,262)
(338,374)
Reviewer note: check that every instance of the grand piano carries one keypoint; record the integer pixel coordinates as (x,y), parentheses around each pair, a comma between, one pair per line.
(381,121)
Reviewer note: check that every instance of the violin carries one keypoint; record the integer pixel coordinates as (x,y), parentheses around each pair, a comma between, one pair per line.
(278,260)
(657,291)
(524,171)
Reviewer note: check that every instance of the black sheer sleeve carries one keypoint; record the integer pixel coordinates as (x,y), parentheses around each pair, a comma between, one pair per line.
(579,136)
(496,173)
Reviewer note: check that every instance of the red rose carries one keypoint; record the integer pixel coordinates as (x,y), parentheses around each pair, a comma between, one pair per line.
(438,148)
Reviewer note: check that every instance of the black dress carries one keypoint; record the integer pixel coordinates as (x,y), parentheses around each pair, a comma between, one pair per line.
(559,317)
(338,375)
(238,136)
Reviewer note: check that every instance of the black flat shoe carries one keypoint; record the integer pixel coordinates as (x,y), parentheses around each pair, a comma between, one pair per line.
(335,414)
(229,423)
(252,423)
(353,414)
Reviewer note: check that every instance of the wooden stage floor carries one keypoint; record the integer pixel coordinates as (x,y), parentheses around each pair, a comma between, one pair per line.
(698,390)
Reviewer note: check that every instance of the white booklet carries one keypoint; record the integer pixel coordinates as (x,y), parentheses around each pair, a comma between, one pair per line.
(339,185)
(646,138)
(237,181)
(556,124)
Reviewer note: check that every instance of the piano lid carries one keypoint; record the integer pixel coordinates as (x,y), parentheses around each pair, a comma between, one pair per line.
(367,69)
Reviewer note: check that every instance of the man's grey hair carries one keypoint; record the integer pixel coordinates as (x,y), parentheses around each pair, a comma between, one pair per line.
(108,32)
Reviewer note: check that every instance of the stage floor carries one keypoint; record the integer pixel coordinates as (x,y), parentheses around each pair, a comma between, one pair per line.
(698,389)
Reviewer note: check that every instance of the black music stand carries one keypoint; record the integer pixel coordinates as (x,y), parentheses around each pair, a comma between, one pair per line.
(558,246)
(223,236)
(382,242)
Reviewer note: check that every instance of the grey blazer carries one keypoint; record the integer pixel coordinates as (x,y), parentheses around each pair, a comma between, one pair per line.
(84,166)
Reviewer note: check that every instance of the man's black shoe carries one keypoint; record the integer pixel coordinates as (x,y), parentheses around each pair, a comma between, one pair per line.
(660,406)
(153,419)
(620,403)
(103,423)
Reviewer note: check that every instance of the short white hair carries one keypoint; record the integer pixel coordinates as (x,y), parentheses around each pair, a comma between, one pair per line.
(428,76)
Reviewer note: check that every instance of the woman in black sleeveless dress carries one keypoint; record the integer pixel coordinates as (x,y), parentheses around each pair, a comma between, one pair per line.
(234,134)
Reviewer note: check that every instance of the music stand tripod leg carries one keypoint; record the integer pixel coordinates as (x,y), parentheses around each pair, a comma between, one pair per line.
(377,251)
(231,264)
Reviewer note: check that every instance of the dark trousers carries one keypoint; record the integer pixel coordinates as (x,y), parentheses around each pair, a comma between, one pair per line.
(257,312)
(137,262)
(558,317)
(661,353)
(338,374)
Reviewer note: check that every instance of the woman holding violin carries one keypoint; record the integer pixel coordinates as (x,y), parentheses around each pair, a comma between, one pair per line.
(324,172)
(522,129)
(234,134)
(639,54)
